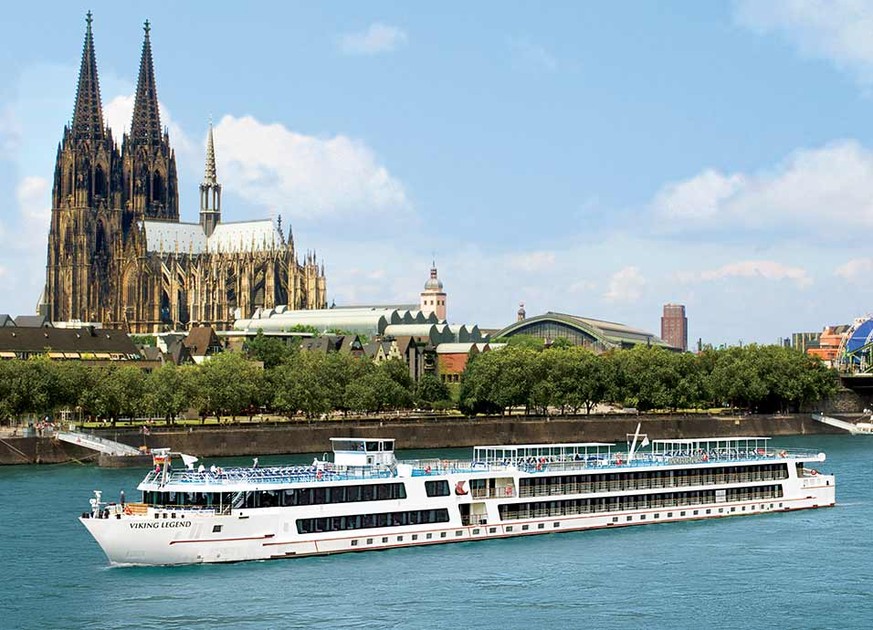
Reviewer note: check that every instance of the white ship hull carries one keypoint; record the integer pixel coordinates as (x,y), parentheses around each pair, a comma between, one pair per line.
(153,535)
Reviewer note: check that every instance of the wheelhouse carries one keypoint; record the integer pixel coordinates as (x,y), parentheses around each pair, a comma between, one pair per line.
(363,451)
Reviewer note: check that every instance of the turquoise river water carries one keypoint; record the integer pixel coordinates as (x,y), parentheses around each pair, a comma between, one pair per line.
(809,569)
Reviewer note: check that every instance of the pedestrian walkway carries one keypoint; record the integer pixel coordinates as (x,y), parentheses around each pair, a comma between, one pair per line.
(97,443)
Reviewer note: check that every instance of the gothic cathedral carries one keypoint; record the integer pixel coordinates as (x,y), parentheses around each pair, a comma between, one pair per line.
(118,253)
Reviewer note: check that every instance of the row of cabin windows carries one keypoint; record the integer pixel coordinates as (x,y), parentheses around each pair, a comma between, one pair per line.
(437,488)
(188,499)
(567,507)
(368,521)
(280,498)
(543,485)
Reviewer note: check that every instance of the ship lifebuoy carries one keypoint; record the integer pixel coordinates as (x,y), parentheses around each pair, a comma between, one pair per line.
(704,457)
(509,491)
(319,475)
(427,470)
(813,472)
(618,461)
(460,490)
(127,510)
(782,453)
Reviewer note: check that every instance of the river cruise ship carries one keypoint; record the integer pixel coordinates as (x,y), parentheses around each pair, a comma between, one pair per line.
(362,498)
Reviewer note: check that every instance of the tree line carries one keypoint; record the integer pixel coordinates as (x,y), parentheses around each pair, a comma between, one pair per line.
(273,377)
(267,377)
(573,379)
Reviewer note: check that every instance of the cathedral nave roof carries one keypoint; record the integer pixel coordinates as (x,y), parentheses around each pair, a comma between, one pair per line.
(243,236)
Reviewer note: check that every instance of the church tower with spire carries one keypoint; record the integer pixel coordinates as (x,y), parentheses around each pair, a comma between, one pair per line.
(84,243)
(151,188)
(433,298)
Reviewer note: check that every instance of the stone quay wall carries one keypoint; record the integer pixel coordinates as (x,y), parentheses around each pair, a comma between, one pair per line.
(420,433)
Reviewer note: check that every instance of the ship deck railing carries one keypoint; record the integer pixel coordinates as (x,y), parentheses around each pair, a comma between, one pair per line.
(328,472)
(268,475)
(430,467)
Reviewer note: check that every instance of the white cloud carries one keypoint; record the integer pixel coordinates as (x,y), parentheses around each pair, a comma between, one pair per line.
(24,245)
(855,269)
(118,113)
(378,38)
(764,269)
(840,31)
(831,185)
(304,176)
(531,261)
(625,285)
(582,287)
(698,197)
(34,202)
(533,57)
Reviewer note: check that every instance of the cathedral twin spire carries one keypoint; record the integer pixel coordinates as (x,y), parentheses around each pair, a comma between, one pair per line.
(87,123)
(88,113)
(145,127)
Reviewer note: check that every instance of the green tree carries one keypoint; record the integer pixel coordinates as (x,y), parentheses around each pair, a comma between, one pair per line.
(301,384)
(498,380)
(398,371)
(169,390)
(526,342)
(647,377)
(584,380)
(230,384)
(114,392)
(377,391)
(340,369)
(7,384)
(271,351)
(736,377)
(430,392)
(561,343)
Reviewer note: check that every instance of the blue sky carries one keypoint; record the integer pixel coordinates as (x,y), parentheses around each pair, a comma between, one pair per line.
(597,159)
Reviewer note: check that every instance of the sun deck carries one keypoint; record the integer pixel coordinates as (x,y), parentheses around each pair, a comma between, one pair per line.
(530,459)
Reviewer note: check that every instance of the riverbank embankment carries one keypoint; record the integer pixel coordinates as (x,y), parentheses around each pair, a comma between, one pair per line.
(415,433)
